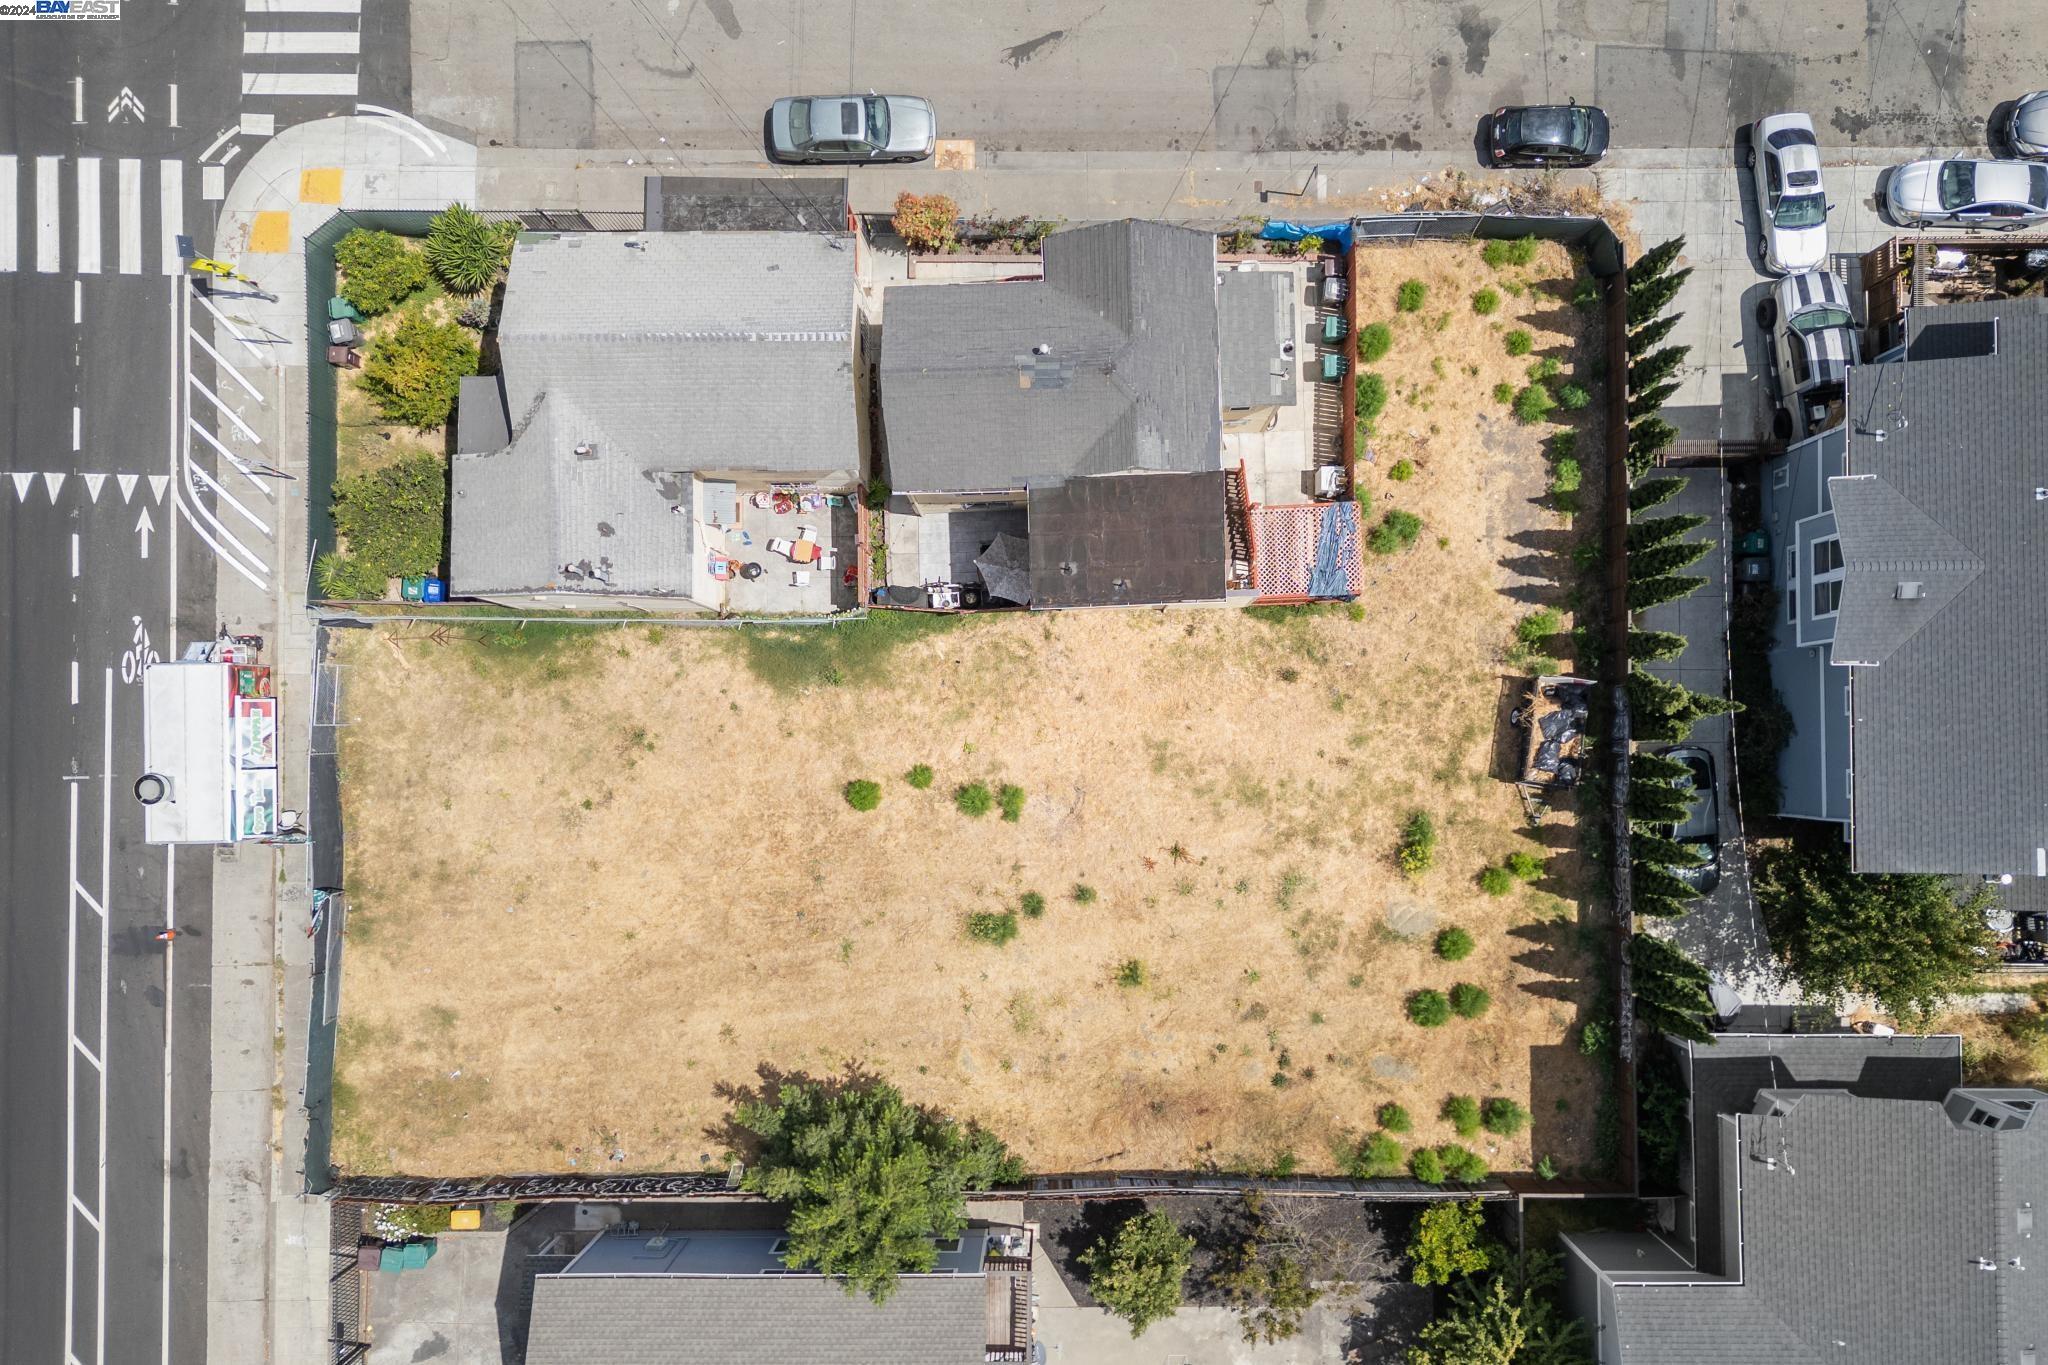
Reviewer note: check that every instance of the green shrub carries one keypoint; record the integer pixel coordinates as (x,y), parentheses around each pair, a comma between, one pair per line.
(1375,339)
(466,252)
(1371,397)
(1462,1113)
(378,270)
(1428,1008)
(1468,1001)
(1394,1118)
(973,799)
(1011,799)
(1586,295)
(1504,1117)
(348,578)
(1425,1165)
(1417,849)
(862,794)
(1450,1243)
(1130,973)
(1396,531)
(1137,1272)
(919,776)
(1376,1158)
(1518,342)
(1533,403)
(1545,367)
(1546,1168)
(403,1222)
(874,494)
(392,518)
(1564,481)
(927,222)
(1485,301)
(1462,1163)
(1564,446)
(1402,471)
(1503,393)
(1453,944)
(414,374)
(1535,629)
(1596,1037)
(1083,894)
(1500,251)
(992,926)
(1032,904)
(1496,881)
(1410,297)
(1524,865)
(1571,397)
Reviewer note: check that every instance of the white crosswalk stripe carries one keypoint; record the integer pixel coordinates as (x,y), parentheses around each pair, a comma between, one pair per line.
(302,67)
(129,188)
(49,250)
(298,82)
(171,205)
(296,41)
(9,208)
(88,215)
(305,6)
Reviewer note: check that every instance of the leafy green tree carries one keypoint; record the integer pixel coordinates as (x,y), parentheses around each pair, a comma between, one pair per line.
(1662,561)
(414,374)
(1507,1318)
(871,1181)
(1909,940)
(1653,263)
(1651,532)
(1651,297)
(1450,1243)
(1137,1272)
(1654,492)
(468,253)
(1650,333)
(1267,1284)
(1644,593)
(378,270)
(345,578)
(1656,367)
(393,518)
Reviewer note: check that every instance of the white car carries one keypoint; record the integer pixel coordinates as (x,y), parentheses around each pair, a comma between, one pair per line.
(1813,344)
(1790,199)
(2006,195)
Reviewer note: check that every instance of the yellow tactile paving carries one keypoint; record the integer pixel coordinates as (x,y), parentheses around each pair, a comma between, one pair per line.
(271,232)
(320,185)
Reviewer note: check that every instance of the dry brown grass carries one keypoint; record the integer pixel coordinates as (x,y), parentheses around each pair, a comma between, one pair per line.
(590,890)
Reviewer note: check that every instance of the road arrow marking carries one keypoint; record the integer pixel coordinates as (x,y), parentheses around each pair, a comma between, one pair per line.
(53,482)
(22,483)
(127,483)
(157,484)
(125,103)
(93,484)
(143,526)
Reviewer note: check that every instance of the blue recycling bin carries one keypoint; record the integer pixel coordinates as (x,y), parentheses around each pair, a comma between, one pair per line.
(434,590)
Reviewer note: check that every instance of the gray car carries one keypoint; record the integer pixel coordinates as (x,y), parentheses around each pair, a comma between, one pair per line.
(845,129)
(2027,130)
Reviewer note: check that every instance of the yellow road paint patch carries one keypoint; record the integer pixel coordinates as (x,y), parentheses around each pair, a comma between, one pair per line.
(272,232)
(321,185)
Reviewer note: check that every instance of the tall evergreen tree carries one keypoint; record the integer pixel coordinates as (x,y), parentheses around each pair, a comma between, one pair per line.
(1645,766)
(1649,847)
(1654,262)
(1654,879)
(1661,561)
(1650,333)
(1644,593)
(1650,401)
(1658,803)
(1654,531)
(1655,492)
(1655,368)
(1655,646)
(1651,297)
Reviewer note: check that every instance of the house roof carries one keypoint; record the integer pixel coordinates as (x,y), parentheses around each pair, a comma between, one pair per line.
(1256,319)
(1129,538)
(1948,748)
(1106,366)
(753,1320)
(688,352)
(1860,1241)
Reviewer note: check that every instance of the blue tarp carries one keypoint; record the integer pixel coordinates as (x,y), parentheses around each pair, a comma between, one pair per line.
(1336,235)
(1336,547)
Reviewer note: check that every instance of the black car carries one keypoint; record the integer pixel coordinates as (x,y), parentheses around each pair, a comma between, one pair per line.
(1701,827)
(1547,135)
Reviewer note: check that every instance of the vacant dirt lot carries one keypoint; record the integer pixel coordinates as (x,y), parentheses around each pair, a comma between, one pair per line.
(598,881)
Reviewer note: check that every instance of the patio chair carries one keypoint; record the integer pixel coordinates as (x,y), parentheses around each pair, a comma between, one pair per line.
(799,578)
(780,547)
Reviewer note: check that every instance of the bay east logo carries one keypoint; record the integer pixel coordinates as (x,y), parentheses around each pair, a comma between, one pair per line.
(62,9)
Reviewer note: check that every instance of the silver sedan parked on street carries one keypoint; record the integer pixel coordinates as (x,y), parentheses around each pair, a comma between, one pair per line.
(1784,157)
(2006,195)
(851,128)
(2026,132)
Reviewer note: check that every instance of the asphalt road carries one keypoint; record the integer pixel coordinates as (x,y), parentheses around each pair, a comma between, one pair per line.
(102,1177)
(1151,79)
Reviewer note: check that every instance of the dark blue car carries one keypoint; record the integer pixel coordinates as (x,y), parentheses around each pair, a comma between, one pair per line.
(1547,135)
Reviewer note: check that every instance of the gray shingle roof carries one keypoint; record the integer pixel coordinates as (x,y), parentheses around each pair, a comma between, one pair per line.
(1949,752)
(1256,317)
(1127,539)
(711,352)
(753,1320)
(1128,382)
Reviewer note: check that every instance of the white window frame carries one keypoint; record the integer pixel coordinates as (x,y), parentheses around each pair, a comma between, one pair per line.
(1816,579)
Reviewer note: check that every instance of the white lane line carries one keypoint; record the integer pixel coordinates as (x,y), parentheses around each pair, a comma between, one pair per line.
(77,421)
(230,499)
(86,1053)
(74,682)
(128,188)
(230,413)
(91,902)
(88,217)
(77,301)
(71,1087)
(305,6)
(84,1212)
(170,996)
(48,248)
(78,99)
(298,83)
(278,41)
(429,133)
(213,182)
(226,368)
(174,104)
(214,145)
(74,554)
(9,247)
(106,955)
(170,197)
(222,319)
(227,454)
(190,503)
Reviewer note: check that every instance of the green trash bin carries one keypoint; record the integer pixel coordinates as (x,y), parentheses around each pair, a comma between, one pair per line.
(1334,328)
(417,1254)
(1333,368)
(413,589)
(391,1258)
(1757,542)
(339,307)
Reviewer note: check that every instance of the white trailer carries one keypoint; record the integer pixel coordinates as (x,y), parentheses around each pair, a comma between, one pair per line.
(209,757)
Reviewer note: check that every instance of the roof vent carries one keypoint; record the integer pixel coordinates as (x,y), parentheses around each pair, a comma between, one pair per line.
(1910,592)
(2041,495)
(1042,348)
(585,451)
